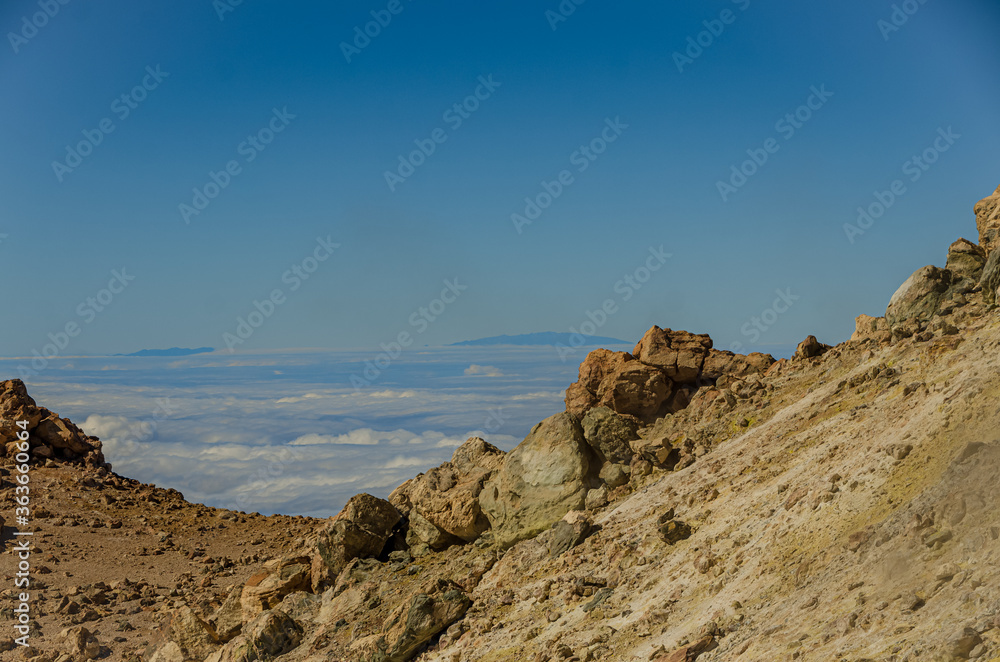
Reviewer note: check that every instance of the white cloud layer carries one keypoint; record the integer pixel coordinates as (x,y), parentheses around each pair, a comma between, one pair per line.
(235,435)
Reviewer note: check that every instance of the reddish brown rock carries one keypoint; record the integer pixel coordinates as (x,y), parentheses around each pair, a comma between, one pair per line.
(620,382)
(679,354)
(809,348)
(447,497)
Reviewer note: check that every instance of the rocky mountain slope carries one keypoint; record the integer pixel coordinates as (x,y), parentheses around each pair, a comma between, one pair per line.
(689,504)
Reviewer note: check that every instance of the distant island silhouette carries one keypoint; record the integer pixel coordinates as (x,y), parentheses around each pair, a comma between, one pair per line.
(173,351)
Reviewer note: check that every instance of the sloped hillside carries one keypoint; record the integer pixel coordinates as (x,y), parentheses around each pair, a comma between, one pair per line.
(688,504)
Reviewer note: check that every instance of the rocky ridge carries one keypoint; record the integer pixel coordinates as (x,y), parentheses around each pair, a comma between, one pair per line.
(688,504)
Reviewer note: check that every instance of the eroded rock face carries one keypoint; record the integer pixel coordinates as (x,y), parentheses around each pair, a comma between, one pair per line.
(679,354)
(360,530)
(443,505)
(619,381)
(609,434)
(919,297)
(269,635)
(988,221)
(545,477)
(966,259)
(413,625)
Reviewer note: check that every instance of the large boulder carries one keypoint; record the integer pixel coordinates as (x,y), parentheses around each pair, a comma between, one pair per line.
(443,505)
(265,590)
(638,390)
(415,623)
(228,618)
(187,637)
(545,477)
(619,381)
(679,354)
(966,259)
(988,221)
(61,434)
(360,530)
(918,299)
(271,634)
(810,348)
(609,434)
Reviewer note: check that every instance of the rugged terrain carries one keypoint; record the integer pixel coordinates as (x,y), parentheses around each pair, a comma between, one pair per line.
(688,504)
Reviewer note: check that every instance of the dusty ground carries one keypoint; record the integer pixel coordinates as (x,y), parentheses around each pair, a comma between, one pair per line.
(120,581)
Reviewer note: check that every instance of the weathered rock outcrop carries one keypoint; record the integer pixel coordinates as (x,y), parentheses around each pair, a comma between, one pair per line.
(659,377)
(442,506)
(265,590)
(49,437)
(810,348)
(610,434)
(417,622)
(918,298)
(269,635)
(361,529)
(966,259)
(545,477)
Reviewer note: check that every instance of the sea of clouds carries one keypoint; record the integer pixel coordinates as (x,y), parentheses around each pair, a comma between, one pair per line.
(287,432)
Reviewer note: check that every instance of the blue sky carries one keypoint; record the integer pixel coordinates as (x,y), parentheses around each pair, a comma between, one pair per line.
(654,188)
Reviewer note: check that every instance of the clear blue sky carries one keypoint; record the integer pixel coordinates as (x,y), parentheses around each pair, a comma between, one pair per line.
(324,172)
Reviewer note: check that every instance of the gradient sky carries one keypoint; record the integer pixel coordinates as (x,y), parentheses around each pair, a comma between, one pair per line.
(323,175)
